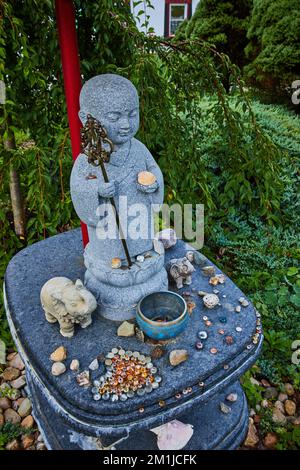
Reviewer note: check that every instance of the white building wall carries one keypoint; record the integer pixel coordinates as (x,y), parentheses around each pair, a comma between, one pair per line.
(157,15)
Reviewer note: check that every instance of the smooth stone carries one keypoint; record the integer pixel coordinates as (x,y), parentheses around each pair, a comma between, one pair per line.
(17,362)
(58,368)
(177,356)
(59,355)
(270,393)
(254,381)
(279,406)
(265,403)
(1,419)
(12,416)
(126,329)
(5,403)
(94,365)
(167,237)
(290,407)
(289,389)
(74,366)
(252,437)
(199,259)
(238,309)
(232,397)
(270,440)
(208,270)
(225,408)
(25,408)
(27,441)
(265,383)
(27,422)
(19,382)
(282,397)
(15,394)
(211,300)
(13,445)
(278,417)
(10,373)
(40,446)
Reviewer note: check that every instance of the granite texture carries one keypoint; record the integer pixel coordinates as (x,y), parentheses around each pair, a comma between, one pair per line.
(62,256)
(113,100)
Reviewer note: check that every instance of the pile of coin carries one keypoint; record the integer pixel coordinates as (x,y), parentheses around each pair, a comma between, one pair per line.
(128,373)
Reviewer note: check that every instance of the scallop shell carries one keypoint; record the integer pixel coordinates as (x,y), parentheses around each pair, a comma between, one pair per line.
(173,435)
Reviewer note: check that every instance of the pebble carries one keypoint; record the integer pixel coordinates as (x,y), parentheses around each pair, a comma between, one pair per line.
(271,392)
(208,270)
(238,309)
(279,406)
(289,389)
(5,386)
(282,397)
(59,355)
(94,365)
(40,446)
(11,373)
(290,407)
(265,403)
(140,258)
(168,238)
(13,445)
(58,368)
(199,259)
(40,438)
(278,417)
(5,403)
(265,383)
(11,355)
(11,416)
(1,420)
(157,352)
(225,408)
(25,408)
(199,345)
(211,300)
(126,329)
(229,340)
(27,422)
(27,441)
(270,440)
(177,356)
(232,397)
(252,437)
(74,366)
(245,303)
(19,382)
(17,362)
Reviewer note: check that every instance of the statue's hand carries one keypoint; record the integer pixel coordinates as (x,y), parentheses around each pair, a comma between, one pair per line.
(107,189)
(151,188)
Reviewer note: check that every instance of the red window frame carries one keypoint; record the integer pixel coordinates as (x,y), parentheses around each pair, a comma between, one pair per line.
(168,4)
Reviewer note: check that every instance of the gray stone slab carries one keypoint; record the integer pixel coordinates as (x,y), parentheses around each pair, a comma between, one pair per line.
(62,256)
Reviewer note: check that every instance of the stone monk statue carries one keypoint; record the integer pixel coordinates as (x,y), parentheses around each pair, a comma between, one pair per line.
(136,184)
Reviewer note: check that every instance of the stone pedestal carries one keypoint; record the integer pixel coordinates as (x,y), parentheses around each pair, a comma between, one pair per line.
(67,414)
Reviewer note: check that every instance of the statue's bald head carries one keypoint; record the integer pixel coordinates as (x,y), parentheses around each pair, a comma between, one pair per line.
(106,97)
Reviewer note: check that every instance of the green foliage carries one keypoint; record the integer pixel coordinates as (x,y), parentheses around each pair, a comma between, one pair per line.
(222,23)
(10,431)
(273,50)
(253,392)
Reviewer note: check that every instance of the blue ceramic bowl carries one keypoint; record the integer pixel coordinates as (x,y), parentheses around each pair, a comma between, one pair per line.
(162,315)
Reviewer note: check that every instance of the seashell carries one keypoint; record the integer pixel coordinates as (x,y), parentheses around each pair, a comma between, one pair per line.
(116,263)
(83,379)
(173,435)
(167,237)
(211,300)
(146,178)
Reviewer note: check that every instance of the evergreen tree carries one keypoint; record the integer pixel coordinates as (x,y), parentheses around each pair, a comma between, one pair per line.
(274,51)
(222,23)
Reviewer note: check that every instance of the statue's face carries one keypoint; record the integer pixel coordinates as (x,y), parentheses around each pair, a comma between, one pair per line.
(121,121)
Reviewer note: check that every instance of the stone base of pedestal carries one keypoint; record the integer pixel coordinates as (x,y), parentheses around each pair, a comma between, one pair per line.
(213,430)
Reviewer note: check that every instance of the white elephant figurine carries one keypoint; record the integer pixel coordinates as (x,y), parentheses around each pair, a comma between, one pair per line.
(67,303)
(181,270)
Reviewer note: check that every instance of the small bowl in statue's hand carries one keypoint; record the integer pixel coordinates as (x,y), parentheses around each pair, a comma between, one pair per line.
(146,178)
(162,315)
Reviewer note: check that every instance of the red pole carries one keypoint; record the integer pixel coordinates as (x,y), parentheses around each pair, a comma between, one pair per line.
(65,16)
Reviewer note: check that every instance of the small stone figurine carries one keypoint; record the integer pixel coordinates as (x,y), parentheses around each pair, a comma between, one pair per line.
(181,270)
(67,303)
